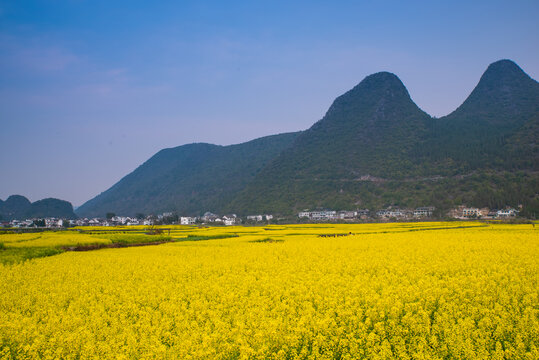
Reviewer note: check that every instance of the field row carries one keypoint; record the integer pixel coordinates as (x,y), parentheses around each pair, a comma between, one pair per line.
(386,291)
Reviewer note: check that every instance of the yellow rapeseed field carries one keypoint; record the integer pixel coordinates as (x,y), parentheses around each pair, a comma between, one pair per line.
(383,291)
(49,239)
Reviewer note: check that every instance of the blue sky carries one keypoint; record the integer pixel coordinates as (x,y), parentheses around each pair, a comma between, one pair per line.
(89,90)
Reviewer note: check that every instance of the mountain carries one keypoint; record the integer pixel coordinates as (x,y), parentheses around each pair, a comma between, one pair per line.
(369,132)
(19,207)
(491,123)
(51,207)
(371,129)
(373,148)
(188,179)
(15,207)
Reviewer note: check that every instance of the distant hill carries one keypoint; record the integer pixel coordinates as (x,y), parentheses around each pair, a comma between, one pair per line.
(370,132)
(19,207)
(188,179)
(491,129)
(373,148)
(15,207)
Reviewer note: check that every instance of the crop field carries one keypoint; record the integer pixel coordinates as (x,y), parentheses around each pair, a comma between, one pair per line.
(370,291)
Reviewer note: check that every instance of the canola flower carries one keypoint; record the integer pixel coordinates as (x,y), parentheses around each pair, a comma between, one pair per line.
(50,239)
(386,291)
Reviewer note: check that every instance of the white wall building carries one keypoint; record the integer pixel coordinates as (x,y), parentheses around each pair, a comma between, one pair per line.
(471,212)
(185,220)
(423,211)
(255,217)
(506,213)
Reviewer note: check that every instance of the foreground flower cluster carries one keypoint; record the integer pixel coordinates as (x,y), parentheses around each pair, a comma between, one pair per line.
(284,293)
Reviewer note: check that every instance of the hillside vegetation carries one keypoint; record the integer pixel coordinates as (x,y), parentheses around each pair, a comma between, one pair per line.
(188,179)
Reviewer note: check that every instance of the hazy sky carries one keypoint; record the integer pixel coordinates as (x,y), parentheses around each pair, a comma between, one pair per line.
(89,90)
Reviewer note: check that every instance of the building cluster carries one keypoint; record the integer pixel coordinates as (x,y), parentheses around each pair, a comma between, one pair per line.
(227,220)
(464,212)
(49,222)
(259,218)
(461,212)
(164,218)
(329,215)
(417,213)
(364,214)
(390,213)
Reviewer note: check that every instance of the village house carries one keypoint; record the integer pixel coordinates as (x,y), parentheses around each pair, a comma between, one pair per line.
(209,217)
(347,215)
(20,224)
(230,220)
(323,215)
(507,213)
(382,213)
(259,218)
(123,220)
(186,220)
(255,217)
(471,212)
(15,223)
(425,211)
(396,213)
(391,213)
(363,213)
(318,215)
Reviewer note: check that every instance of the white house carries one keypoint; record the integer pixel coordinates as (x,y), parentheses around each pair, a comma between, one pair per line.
(396,213)
(471,212)
(324,215)
(94,222)
(343,215)
(209,217)
(255,217)
(507,212)
(185,220)
(424,211)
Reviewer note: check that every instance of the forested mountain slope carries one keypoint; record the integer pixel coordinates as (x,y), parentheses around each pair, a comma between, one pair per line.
(188,179)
